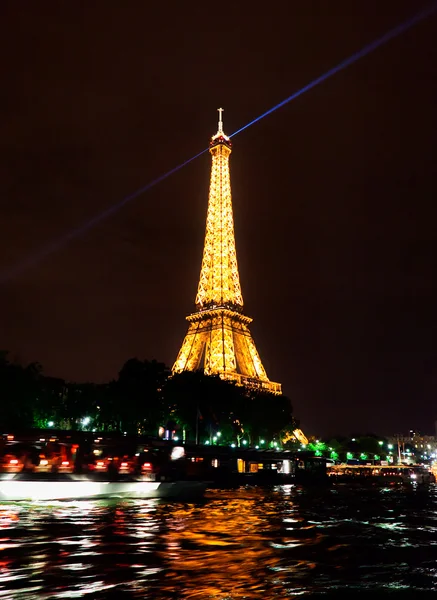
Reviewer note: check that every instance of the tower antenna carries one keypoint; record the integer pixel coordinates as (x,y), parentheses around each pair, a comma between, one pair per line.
(220,123)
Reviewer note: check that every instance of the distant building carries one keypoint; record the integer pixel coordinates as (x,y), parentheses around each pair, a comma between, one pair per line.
(423,446)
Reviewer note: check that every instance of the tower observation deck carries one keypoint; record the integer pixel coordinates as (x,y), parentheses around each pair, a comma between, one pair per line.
(218,338)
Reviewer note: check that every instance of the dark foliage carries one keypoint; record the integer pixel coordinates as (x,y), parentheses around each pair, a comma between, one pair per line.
(143,398)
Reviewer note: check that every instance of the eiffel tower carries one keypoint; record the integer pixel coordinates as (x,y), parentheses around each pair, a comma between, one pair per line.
(218,338)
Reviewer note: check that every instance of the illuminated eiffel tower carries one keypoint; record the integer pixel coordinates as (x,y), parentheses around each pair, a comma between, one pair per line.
(218,338)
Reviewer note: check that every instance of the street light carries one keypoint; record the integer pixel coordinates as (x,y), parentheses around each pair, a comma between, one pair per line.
(244,442)
(50,423)
(219,433)
(380,443)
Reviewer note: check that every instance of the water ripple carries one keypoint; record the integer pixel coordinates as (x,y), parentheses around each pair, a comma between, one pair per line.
(248,543)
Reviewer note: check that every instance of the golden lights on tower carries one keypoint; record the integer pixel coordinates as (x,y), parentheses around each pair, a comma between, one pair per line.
(218,338)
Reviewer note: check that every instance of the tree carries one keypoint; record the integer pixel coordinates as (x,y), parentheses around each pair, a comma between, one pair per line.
(144,396)
(199,402)
(138,401)
(223,406)
(18,392)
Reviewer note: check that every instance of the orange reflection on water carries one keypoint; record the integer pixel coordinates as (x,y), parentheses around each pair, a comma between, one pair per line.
(224,549)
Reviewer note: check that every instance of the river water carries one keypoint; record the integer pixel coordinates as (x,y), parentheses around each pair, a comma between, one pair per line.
(287,542)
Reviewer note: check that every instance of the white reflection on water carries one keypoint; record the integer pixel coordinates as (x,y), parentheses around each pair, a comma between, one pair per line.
(79,592)
(75,567)
(247,543)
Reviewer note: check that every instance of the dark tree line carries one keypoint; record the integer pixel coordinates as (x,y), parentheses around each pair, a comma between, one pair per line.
(143,398)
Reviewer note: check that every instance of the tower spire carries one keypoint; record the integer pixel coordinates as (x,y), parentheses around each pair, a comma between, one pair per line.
(220,121)
(218,338)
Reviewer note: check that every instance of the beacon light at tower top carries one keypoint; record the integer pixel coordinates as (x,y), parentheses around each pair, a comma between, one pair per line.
(218,338)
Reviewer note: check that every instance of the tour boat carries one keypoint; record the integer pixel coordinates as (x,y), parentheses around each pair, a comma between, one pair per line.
(20,487)
(385,474)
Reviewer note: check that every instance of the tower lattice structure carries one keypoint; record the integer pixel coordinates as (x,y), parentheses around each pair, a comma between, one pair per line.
(218,338)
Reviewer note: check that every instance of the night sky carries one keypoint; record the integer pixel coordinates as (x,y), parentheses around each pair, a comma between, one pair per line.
(334,194)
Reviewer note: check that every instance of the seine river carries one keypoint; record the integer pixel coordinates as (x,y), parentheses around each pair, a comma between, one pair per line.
(287,542)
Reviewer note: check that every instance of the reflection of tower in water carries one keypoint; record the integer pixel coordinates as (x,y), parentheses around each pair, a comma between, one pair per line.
(220,549)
